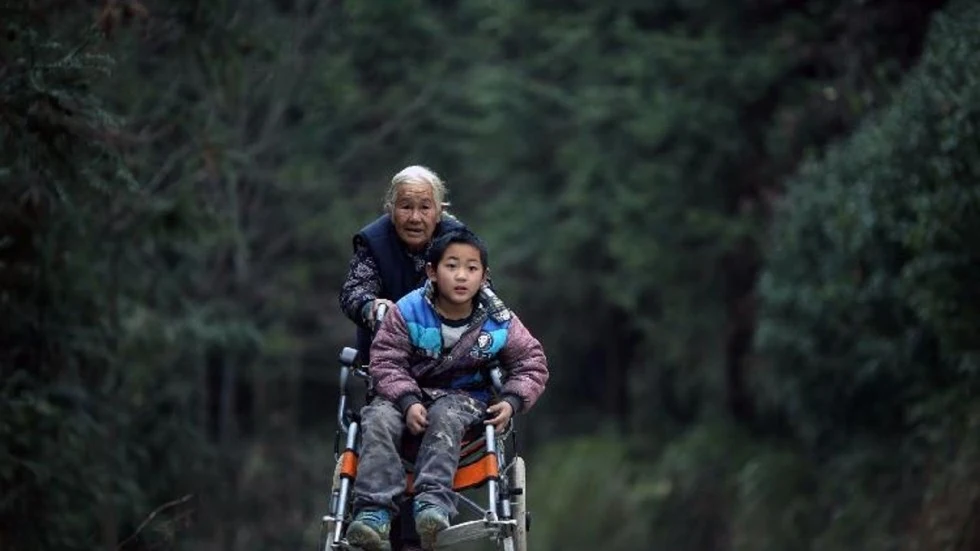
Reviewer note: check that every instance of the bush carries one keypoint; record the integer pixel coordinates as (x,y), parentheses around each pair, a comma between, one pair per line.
(870,318)
(869,295)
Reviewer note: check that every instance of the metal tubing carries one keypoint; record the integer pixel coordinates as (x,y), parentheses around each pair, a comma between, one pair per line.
(492,484)
(470,503)
(340,412)
(344,486)
(501,462)
(338,527)
(497,378)
(344,370)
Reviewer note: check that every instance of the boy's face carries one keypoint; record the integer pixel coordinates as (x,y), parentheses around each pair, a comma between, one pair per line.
(459,274)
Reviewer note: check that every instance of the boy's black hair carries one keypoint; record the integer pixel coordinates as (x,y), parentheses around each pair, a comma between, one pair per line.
(461,235)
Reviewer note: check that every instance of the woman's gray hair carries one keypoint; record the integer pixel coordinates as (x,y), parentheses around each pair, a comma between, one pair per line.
(416,174)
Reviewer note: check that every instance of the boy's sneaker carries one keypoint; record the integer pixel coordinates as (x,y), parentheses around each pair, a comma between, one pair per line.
(369,530)
(430,519)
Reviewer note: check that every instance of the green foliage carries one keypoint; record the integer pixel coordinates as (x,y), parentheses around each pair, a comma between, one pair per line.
(631,152)
(868,323)
(95,434)
(868,288)
(582,494)
(775,502)
(178,201)
(695,491)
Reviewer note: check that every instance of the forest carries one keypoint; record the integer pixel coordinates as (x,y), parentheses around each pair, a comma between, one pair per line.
(741,229)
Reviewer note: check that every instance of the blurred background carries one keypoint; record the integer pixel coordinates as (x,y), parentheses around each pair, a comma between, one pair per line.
(746,233)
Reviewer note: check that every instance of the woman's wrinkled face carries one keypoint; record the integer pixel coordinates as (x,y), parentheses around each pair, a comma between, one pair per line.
(415,214)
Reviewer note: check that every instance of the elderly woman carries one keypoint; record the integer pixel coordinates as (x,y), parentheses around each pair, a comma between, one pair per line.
(389,253)
(389,262)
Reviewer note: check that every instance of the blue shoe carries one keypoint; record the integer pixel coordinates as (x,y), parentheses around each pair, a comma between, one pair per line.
(430,519)
(370,530)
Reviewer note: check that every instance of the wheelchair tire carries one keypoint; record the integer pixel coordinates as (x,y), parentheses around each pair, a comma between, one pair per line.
(518,479)
(327,529)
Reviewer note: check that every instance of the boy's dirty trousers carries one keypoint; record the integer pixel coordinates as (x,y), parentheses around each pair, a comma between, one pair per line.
(381,476)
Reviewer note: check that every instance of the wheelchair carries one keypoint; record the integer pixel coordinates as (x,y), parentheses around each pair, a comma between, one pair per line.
(486,461)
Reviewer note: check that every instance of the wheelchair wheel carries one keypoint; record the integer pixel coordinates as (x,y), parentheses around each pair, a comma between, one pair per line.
(326,537)
(328,527)
(518,479)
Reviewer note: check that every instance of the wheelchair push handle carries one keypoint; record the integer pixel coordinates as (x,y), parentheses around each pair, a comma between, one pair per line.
(379,315)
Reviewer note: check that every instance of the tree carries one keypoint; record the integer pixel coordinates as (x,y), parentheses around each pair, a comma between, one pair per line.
(868,318)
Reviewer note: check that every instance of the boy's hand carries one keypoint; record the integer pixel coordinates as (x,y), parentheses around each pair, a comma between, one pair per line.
(502,412)
(416,418)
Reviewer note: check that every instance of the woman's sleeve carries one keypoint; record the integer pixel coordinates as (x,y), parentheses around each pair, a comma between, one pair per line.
(363,284)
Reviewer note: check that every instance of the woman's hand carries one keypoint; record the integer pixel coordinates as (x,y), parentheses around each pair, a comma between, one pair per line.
(502,412)
(417,418)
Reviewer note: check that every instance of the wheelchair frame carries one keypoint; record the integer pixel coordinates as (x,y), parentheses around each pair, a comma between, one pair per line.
(505,520)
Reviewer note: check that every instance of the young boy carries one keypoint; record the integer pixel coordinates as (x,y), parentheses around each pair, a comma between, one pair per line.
(429,366)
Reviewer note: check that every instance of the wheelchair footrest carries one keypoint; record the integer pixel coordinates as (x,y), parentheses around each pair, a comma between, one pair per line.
(471,530)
